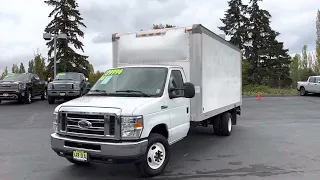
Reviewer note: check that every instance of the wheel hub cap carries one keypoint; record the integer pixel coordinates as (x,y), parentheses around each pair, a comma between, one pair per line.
(156,155)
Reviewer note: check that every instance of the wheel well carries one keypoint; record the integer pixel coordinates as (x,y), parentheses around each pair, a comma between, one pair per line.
(301,87)
(160,129)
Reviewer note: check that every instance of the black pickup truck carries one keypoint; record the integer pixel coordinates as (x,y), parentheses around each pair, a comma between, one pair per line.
(67,85)
(22,87)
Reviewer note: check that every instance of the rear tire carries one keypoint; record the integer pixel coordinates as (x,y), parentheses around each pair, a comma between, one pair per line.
(79,163)
(217,125)
(226,124)
(51,100)
(156,158)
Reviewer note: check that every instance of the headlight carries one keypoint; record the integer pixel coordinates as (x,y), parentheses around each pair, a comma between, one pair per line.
(22,86)
(76,86)
(50,86)
(55,122)
(131,127)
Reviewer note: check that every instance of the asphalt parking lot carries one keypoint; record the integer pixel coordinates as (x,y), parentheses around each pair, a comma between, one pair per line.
(276,138)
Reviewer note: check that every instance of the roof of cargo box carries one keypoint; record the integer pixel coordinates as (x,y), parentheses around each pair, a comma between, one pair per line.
(155,65)
(194,29)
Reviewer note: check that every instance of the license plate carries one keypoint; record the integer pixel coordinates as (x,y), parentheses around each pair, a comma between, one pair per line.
(5,95)
(62,94)
(80,155)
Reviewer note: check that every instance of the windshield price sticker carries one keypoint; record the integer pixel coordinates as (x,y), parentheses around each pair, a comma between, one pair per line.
(9,75)
(61,74)
(111,72)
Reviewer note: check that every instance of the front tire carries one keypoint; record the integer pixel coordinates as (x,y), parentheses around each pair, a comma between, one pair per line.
(156,158)
(303,91)
(44,95)
(51,100)
(28,97)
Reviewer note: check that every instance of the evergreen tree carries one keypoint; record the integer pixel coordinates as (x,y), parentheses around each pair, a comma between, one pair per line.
(4,73)
(259,36)
(15,68)
(235,23)
(161,26)
(318,42)
(31,66)
(22,69)
(66,19)
(277,62)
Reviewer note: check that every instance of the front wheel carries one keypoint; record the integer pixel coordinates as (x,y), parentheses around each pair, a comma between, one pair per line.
(44,95)
(51,100)
(156,158)
(303,91)
(28,97)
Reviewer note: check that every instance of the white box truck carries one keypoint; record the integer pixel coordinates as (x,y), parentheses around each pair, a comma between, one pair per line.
(163,82)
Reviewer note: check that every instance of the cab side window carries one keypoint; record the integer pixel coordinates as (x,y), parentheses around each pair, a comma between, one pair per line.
(312,79)
(176,81)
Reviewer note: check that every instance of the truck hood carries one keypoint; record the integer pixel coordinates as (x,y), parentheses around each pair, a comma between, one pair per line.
(126,104)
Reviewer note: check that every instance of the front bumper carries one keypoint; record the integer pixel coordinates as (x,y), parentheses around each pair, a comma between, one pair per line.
(99,151)
(64,93)
(12,95)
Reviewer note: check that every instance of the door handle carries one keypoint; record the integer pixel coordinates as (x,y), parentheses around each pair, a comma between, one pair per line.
(164,107)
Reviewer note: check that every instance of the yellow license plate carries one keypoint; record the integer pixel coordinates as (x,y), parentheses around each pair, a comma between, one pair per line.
(80,155)
(62,94)
(5,95)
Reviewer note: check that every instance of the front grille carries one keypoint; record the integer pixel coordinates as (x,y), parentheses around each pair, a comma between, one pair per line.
(62,86)
(102,125)
(5,87)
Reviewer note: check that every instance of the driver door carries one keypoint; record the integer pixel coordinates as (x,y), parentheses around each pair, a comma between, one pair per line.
(179,108)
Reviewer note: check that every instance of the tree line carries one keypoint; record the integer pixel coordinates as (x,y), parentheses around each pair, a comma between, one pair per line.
(265,60)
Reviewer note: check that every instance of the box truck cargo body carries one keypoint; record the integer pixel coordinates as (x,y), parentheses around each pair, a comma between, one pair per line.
(163,82)
(211,63)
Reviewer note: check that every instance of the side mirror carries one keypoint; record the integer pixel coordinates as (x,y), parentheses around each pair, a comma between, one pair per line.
(189,90)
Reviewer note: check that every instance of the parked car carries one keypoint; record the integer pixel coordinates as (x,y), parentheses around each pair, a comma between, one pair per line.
(312,85)
(22,87)
(67,85)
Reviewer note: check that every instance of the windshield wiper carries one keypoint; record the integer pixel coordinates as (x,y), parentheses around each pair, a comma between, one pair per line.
(98,90)
(134,91)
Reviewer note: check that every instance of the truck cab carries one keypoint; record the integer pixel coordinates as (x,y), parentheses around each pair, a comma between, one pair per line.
(125,114)
(67,85)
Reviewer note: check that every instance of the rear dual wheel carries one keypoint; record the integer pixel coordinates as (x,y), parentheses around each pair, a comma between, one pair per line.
(222,124)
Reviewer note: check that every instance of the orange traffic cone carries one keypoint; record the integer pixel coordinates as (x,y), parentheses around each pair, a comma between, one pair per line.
(259,97)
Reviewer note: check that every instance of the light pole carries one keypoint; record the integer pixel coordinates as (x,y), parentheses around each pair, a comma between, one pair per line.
(47,37)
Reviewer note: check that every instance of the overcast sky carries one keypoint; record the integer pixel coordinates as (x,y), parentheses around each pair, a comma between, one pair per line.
(22,23)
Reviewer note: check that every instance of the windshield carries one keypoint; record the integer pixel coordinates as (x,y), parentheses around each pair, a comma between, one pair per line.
(16,77)
(141,81)
(67,76)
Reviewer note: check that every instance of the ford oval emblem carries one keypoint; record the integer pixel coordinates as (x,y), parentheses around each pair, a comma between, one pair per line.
(84,124)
